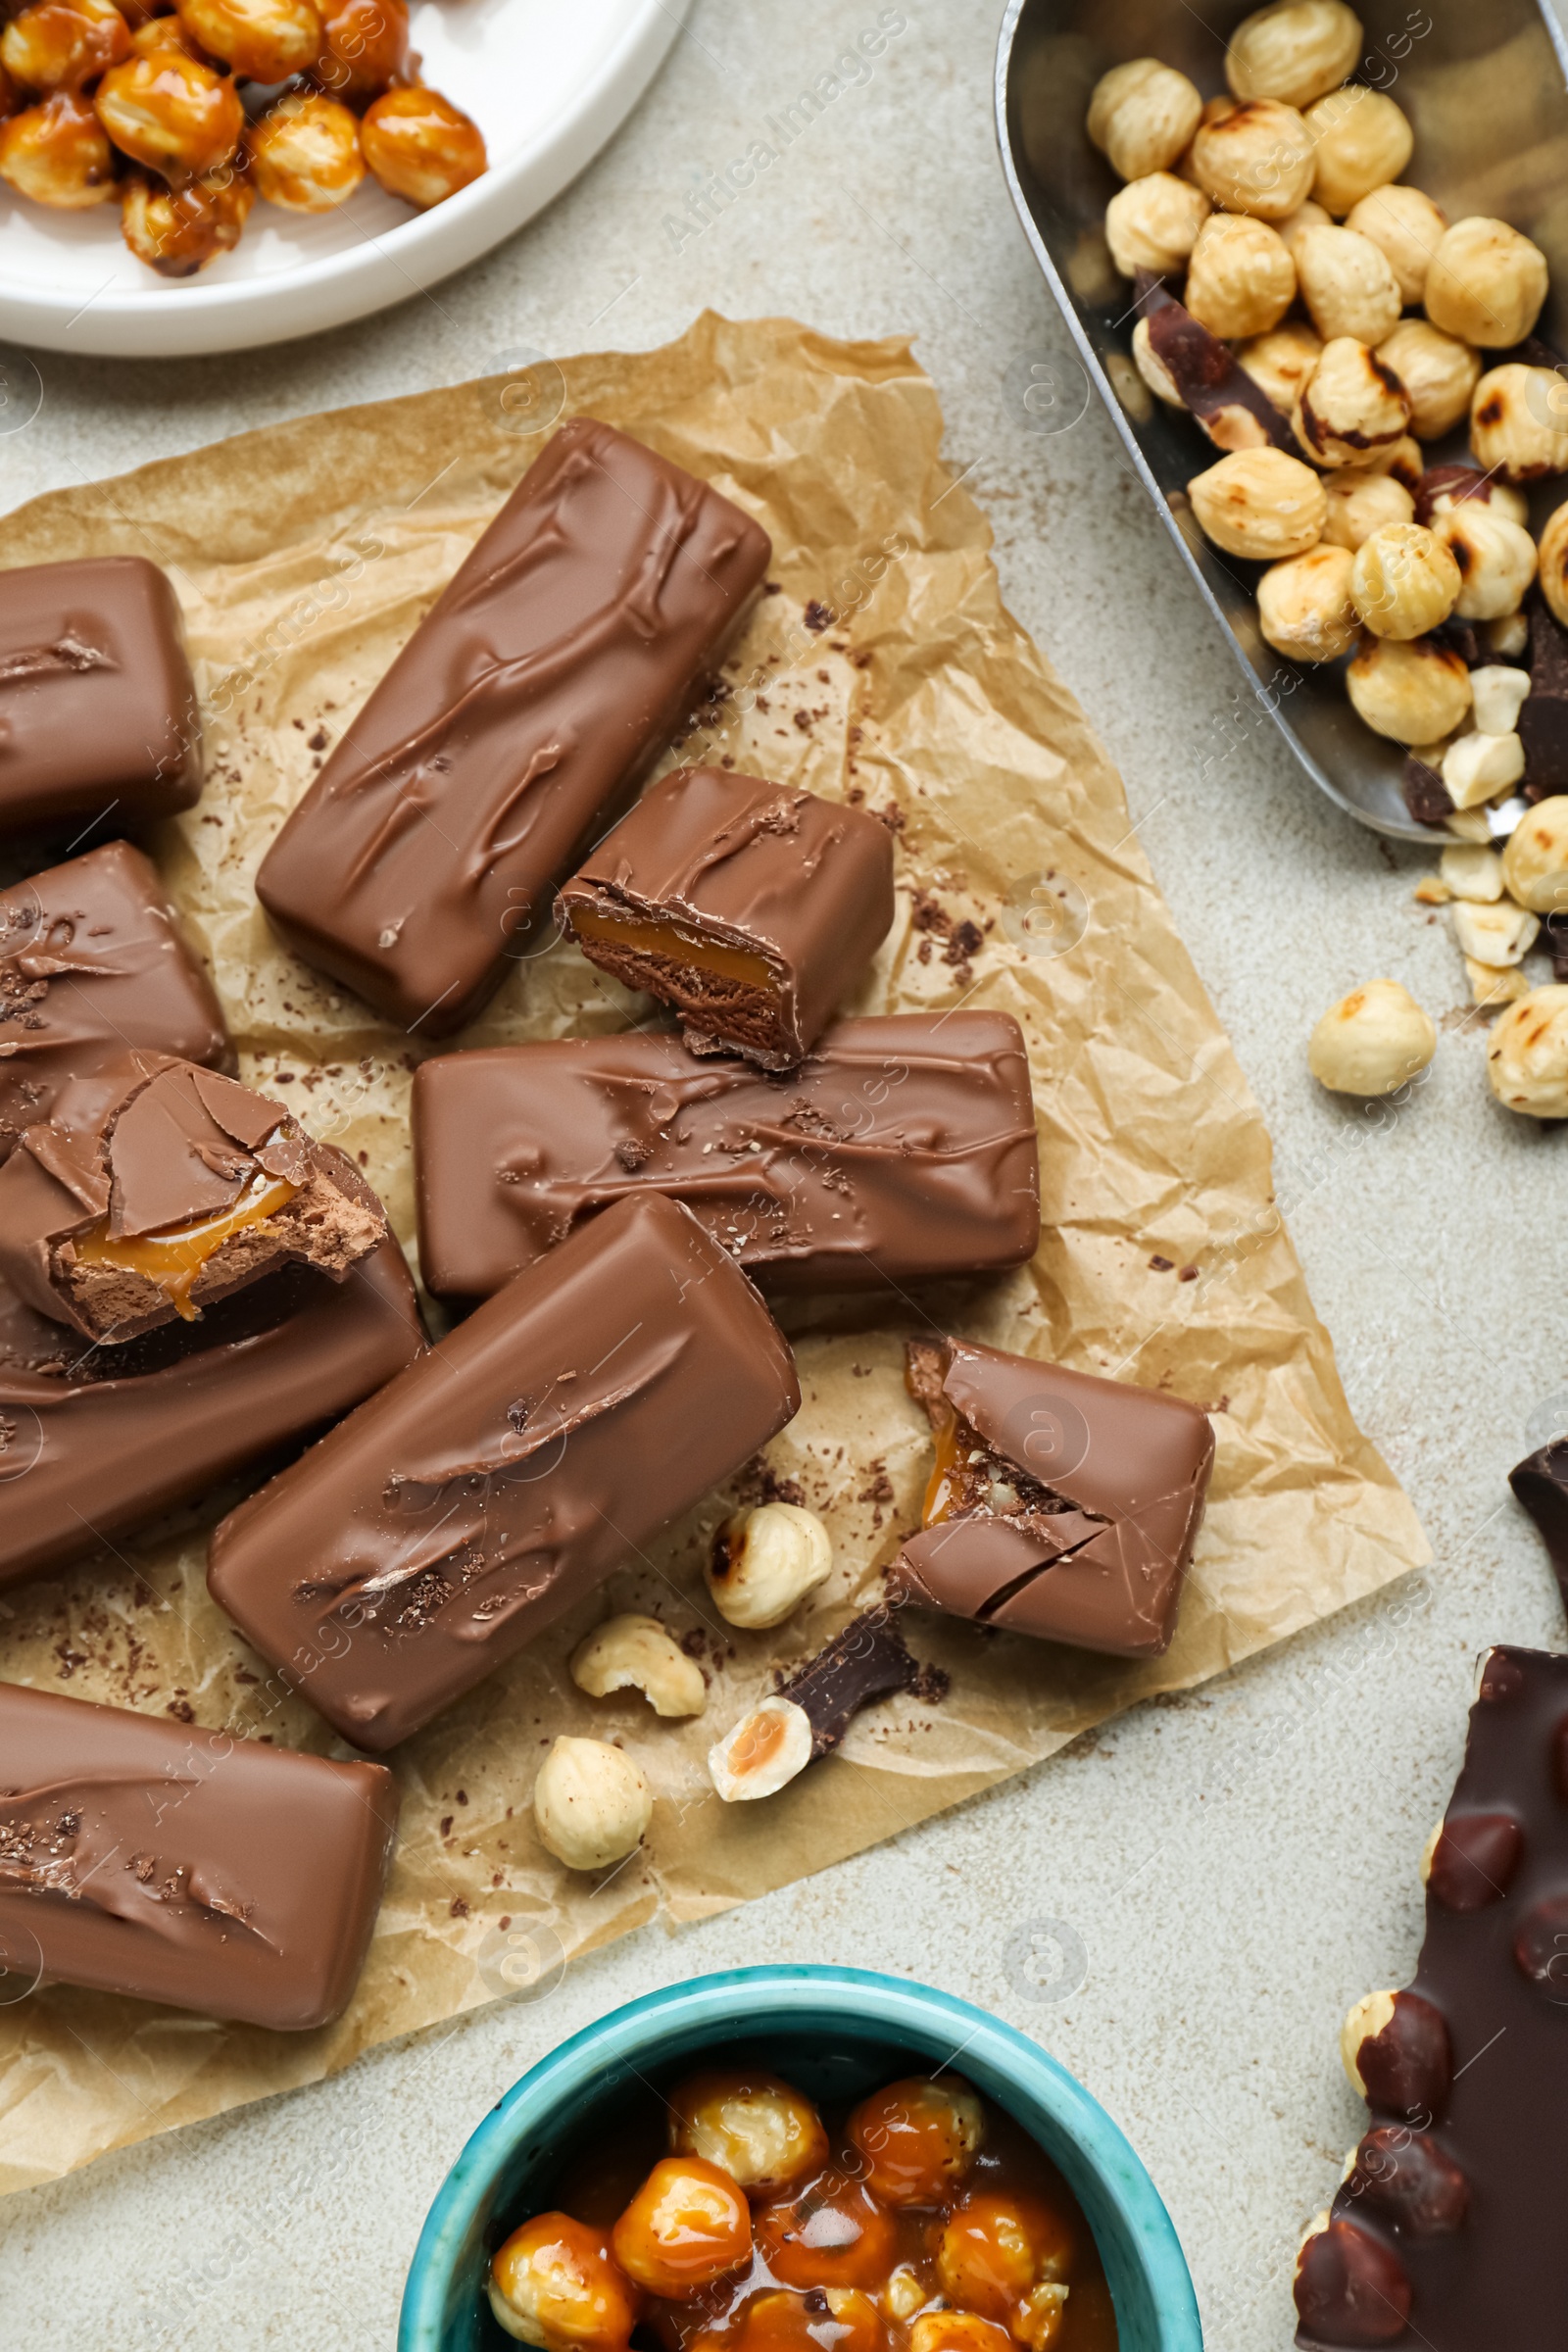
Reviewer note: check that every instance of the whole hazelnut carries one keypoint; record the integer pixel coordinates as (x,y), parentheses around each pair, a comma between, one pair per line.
(1142,116)
(1553,563)
(1361,502)
(1527,1060)
(591,1803)
(1346,284)
(1486,283)
(1362,141)
(1257,158)
(1353,405)
(1260,502)
(1153,368)
(1534,862)
(1296,50)
(1438,370)
(1281,362)
(1372,1042)
(1304,605)
(1239,281)
(1404,581)
(1400,458)
(1519,423)
(1414,692)
(1496,558)
(1406,227)
(1153,225)
(1306,215)
(765,1562)
(1443,487)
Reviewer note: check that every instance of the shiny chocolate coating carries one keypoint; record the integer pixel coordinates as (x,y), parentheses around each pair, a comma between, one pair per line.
(1541,1484)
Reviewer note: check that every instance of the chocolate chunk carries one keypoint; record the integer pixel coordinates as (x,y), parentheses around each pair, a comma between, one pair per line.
(1234,412)
(1543,716)
(1459,637)
(750,908)
(183,1866)
(515,722)
(866,1661)
(902,1150)
(1540,1483)
(98,711)
(438,1528)
(1061,1505)
(1426,795)
(92,966)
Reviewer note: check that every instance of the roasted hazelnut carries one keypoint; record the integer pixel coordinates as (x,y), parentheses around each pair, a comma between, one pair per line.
(1257,158)
(305,153)
(1362,141)
(263,40)
(1346,284)
(1153,368)
(1361,502)
(1406,227)
(591,1803)
(1494,935)
(1372,1041)
(172,115)
(636,1653)
(1296,50)
(1535,859)
(1401,459)
(1486,283)
(836,2234)
(918,2138)
(556,2284)
(1304,605)
(1472,870)
(1414,693)
(177,231)
(1353,405)
(1281,362)
(1475,768)
(1404,581)
(1260,502)
(765,1750)
(1552,559)
(688,2226)
(1444,487)
(59,44)
(1437,371)
(754,2127)
(1519,423)
(364,47)
(1306,215)
(763,1562)
(1239,281)
(57,154)
(1527,1060)
(996,2248)
(421,147)
(1153,225)
(1496,558)
(1142,116)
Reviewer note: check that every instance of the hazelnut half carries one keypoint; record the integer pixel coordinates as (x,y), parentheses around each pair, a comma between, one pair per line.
(636,1653)
(1519,423)
(1496,558)
(762,1753)
(1408,228)
(1152,224)
(1437,372)
(1281,362)
(1415,693)
(1361,502)
(1346,284)
(1527,1060)
(1296,50)
(1304,605)
(1362,141)
(1501,694)
(1372,1041)
(1535,861)
(1476,768)
(1257,158)
(1260,502)
(1353,404)
(1240,281)
(1404,581)
(1142,116)
(1486,283)
(764,1563)
(1500,934)
(592,1804)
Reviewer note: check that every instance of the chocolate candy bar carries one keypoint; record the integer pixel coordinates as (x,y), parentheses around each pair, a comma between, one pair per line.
(158,1188)
(512,727)
(220,1875)
(902,1150)
(1543,715)
(1060,1504)
(749,906)
(96,1442)
(1540,1483)
(92,966)
(504,1475)
(98,711)
(1447,2231)
(811,1711)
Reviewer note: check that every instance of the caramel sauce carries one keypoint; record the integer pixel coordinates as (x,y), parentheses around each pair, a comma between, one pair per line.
(668,938)
(941,1488)
(174,1254)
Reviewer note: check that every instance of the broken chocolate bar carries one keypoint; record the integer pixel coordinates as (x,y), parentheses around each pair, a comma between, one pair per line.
(1540,1483)
(1543,715)
(1234,410)
(1447,2231)
(92,966)
(1060,1504)
(902,1150)
(502,1476)
(514,725)
(750,908)
(98,711)
(1426,795)
(811,1709)
(95,1441)
(157,1188)
(183,1866)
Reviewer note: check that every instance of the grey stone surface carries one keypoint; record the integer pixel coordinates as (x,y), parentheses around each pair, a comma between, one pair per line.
(1240,1864)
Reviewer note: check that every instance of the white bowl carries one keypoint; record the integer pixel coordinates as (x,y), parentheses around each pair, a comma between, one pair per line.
(547,85)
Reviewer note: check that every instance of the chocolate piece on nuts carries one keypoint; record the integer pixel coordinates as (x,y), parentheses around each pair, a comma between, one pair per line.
(1543,719)
(1234,410)
(1442,488)
(1396,2053)
(866,1661)
(1408,2177)
(1350,2288)
(1474,1860)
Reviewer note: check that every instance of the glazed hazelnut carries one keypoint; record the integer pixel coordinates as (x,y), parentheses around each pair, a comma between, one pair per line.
(1404,581)
(1527,1060)
(59,44)
(1153,368)
(1153,225)
(766,1749)
(364,47)
(756,2128)
(1346,284)
(1304,605)
(1414,693)
(688,2226)
(763,1562)
(1353,404)
(1443,487)
(995,2248)
(918,2138)
(421,147)
(1296,50)
(1519,423)
(1142,116)
(177,231)
(169,112)
(57,154)
(1497,560)
(1239,281)
(1372,1041)
(781,2322)
(1437,372)
(1257,158)
(957,2332)
(836,2234)
(1260,502)
(1486,285)
(1362,141)
(1553,563)
(556,2284)
(1406,227)
(1306,215)
(1281,362)
(1361,502)
(167,33)
(1476,768)
(1497,935)
(1499,693)
(305,153)
(636,1653)
(591,1803)
(263,40)
(1535,858)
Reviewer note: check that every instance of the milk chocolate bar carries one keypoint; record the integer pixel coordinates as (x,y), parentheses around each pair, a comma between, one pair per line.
(501,1478)
(158,1188)
(98,711)
(95,1441)
(220,1875)
(902,1150)
(1447,2231)
(512,727)
(1060,1504)
(750,908)
(1540,1483)
(92,966)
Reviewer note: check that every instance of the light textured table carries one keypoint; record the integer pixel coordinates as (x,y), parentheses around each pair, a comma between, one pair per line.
(1238,1864)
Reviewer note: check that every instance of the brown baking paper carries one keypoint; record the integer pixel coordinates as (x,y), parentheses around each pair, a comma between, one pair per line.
(884,666)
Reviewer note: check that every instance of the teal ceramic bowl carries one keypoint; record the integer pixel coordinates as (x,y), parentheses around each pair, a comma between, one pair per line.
(838,2032)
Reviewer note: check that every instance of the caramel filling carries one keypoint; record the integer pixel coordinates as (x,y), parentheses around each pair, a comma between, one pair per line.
(941,1498)
(757,1744)
(666,939)
(174,1255)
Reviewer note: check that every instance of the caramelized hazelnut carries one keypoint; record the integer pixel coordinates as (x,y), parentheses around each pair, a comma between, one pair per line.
(687,2226)
(918,2138)
(167,33)
(957,2332)
(177,231)
(1257,158)
(995,2249)
(57,154)
(756,2128)
(59,44)
(169,112)
(263,40)
(1361,142)
(305,152)
(364,47)
(421,147)
(836,2234)
(840,2316)
(555,2285)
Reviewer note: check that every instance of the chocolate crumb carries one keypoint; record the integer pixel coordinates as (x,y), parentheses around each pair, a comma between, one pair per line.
(818,617)
(459,1909)
(1161,1265)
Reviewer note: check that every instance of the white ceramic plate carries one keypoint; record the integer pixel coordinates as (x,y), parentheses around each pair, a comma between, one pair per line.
(547,85)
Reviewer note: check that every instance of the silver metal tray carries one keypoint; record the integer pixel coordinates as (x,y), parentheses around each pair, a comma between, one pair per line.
(1482,82)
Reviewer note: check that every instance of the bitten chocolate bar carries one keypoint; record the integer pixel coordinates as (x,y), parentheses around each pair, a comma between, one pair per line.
(1060,1504)
(213,1874)
(902,1150)
(98,711)
(504,1475)
(512,727)
(92,966)
(1446,2229)
(95,1441)
(750,908)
